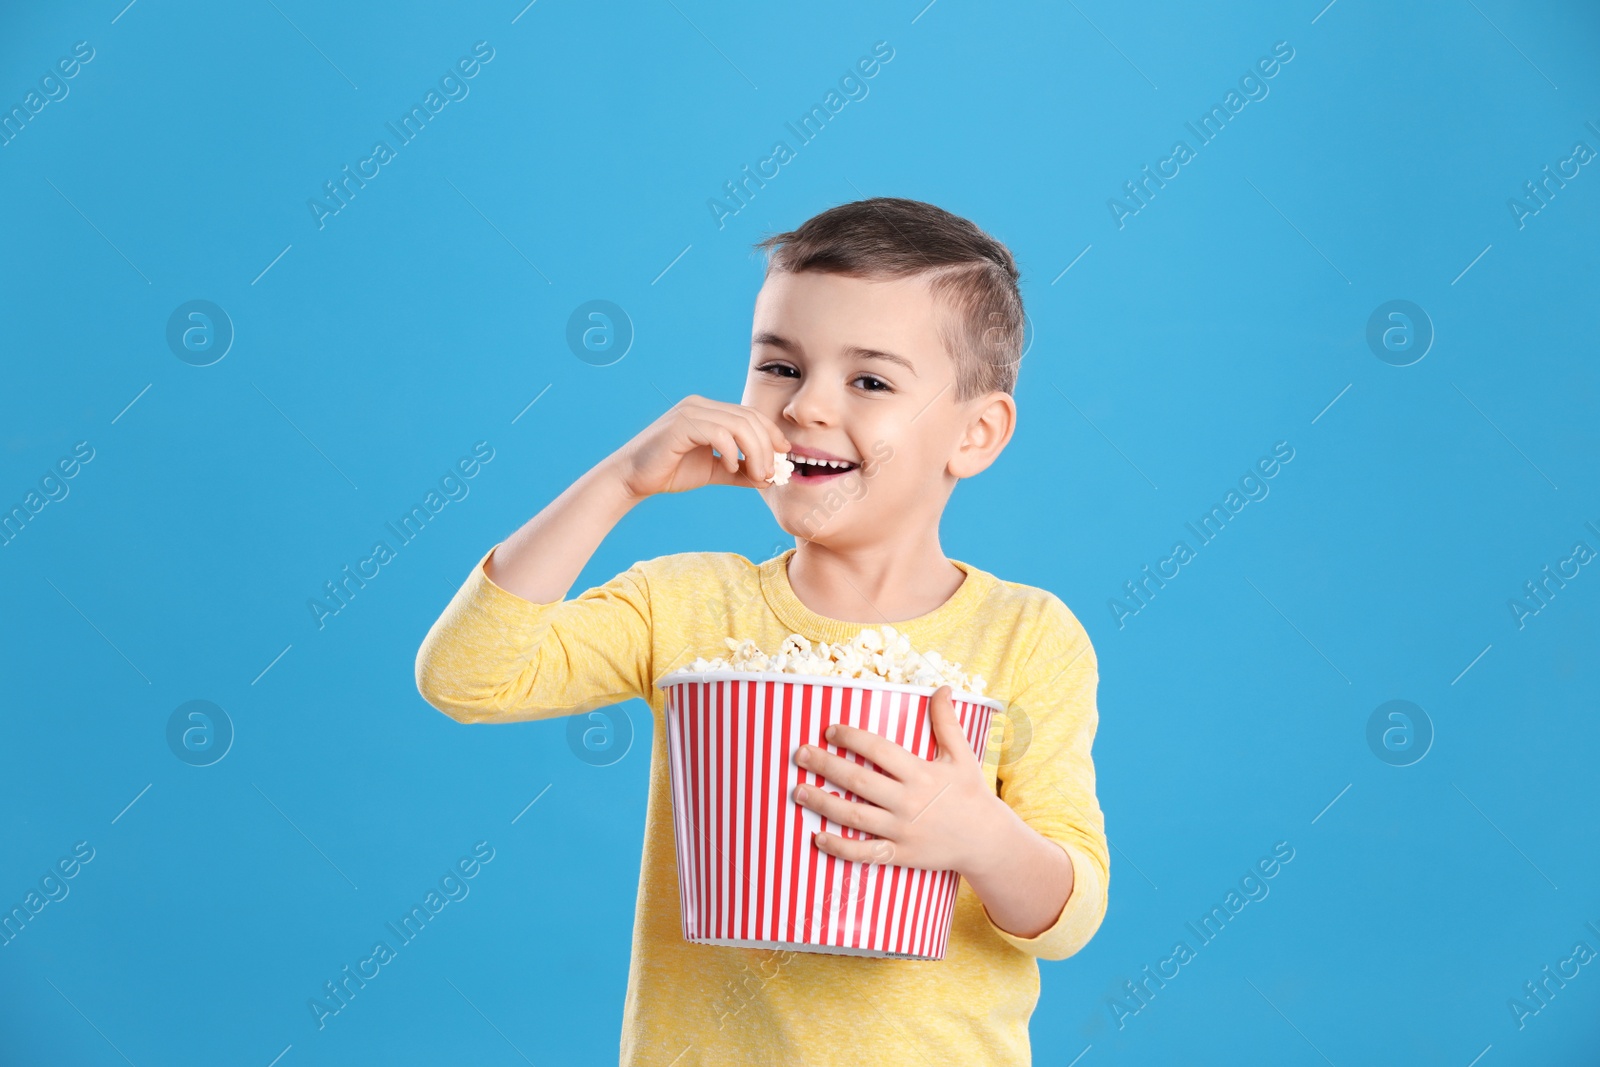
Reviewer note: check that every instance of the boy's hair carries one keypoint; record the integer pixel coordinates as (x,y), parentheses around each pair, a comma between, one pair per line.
(972,273)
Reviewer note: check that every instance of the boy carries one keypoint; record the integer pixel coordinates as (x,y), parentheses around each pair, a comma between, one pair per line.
(885,348)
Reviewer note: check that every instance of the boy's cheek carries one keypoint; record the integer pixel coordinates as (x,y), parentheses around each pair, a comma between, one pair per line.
(882,452)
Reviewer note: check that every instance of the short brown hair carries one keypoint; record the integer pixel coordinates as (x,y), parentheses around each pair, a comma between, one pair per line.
(973,273)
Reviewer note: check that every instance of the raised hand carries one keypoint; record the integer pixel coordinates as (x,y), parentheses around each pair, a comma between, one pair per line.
(674,453)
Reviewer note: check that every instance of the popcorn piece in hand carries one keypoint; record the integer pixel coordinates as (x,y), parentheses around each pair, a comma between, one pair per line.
(782,467)
(880,652)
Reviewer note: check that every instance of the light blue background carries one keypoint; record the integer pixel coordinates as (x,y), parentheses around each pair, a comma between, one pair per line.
(1224,317)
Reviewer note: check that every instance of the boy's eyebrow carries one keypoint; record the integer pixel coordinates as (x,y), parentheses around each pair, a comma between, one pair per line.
(851,352)
(857,352)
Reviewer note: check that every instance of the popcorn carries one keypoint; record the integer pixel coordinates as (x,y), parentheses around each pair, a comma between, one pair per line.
(876,652)
(782,467)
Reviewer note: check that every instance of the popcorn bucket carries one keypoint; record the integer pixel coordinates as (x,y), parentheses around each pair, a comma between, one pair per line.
(748,874)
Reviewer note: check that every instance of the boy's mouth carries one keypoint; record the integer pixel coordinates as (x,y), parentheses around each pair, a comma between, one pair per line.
(810,469)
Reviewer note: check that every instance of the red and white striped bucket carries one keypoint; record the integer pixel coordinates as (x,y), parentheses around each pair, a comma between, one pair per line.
(748,874)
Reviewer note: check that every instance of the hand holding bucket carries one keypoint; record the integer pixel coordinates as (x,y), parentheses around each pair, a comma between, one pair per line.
(749,874)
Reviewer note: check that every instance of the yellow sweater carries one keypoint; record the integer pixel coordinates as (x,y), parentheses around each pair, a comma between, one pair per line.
(494,657)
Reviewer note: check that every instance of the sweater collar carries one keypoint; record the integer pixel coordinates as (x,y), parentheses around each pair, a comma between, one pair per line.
(926,628)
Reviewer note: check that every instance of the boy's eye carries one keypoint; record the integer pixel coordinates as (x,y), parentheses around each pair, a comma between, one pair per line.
(870,382)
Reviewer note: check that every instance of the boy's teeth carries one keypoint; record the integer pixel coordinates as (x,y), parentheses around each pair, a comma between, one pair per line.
(806,461)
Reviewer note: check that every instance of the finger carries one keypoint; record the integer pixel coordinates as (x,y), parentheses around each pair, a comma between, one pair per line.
(769,438)
(756,442)
(861,780)
(702,426)
(953,745)
(897,761)
(720,475)
(880,850)
(749,437)
(741,475)
(856,814)
(780,443)
(768,435)
(724,443)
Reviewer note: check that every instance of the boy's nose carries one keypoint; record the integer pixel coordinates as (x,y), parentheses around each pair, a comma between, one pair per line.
(810,405)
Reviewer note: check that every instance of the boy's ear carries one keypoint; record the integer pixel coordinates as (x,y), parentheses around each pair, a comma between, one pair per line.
(993,419)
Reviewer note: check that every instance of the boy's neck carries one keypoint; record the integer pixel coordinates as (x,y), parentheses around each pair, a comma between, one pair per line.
(873,586)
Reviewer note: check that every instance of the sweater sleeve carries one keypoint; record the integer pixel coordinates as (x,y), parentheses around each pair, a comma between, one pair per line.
(1047,776)
(495,657)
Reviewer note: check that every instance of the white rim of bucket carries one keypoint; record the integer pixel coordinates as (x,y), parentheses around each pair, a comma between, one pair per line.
(677,677)
(808,946)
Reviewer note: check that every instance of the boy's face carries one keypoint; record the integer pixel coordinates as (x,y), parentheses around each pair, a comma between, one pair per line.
(855,368)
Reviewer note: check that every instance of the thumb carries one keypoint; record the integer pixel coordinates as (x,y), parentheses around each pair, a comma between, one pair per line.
(745,476)
(742,477)
(720,476)
(947,729)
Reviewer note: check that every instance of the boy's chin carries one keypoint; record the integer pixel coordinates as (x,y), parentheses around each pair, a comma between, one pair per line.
(834,533)
(821,517)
